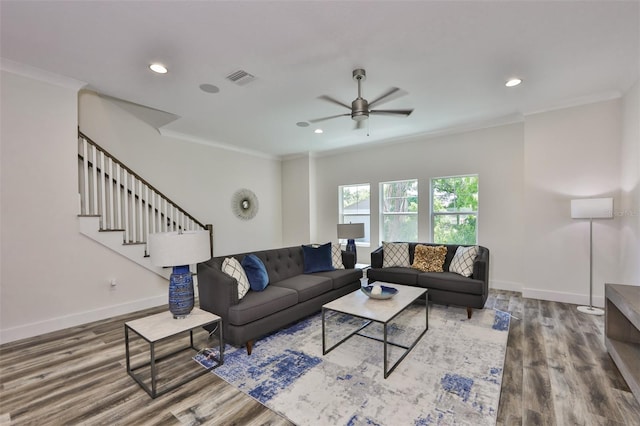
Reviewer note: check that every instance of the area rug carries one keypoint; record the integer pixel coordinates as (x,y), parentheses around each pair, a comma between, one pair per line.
(452,376)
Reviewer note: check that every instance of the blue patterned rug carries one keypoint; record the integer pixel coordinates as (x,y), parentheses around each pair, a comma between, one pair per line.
(452,376)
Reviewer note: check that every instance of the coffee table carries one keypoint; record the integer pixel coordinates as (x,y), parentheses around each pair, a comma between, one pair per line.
(359,305)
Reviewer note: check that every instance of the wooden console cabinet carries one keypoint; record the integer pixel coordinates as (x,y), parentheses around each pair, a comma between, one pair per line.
(622,331)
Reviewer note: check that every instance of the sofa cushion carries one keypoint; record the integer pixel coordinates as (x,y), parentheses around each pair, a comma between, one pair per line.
(462,262)
(308,286)
(450,281)
(395,254)
(408,276)
(342,277)
(336,256)
(429,258)
(259,304)
(234,269)
(282,263)
(317,258)
(256,272)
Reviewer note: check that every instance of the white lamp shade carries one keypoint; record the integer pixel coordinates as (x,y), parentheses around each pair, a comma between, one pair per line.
(350,230)
(592,208)
(178,249)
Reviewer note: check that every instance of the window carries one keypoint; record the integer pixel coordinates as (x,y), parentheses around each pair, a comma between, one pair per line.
(399,210)
(354,207)
(454,210)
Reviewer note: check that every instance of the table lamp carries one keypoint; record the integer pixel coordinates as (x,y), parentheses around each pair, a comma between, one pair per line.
(349,232)
(179,250)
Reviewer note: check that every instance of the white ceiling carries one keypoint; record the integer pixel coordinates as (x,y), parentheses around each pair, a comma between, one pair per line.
(451,57)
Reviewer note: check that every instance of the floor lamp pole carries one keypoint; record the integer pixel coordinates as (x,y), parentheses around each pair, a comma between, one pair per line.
(590,309)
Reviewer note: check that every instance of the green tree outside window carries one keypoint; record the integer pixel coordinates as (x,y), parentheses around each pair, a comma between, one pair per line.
(455,210)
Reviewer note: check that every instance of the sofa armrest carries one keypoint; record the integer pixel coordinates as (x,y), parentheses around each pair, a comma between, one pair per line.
(217,291)
(376,258)
(348,259)
(481,267)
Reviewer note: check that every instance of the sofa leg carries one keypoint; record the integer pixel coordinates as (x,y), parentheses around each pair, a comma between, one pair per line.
(469,312)
(249,346)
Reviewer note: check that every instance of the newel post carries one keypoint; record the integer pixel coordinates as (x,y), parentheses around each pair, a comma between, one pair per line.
(210,228)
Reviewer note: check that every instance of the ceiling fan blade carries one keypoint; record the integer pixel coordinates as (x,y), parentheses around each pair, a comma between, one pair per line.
(391,94)
(405,112)
(333,101)
(316,120)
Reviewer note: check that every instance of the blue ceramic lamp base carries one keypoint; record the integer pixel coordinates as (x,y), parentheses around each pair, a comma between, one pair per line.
(181,298)
(351,246)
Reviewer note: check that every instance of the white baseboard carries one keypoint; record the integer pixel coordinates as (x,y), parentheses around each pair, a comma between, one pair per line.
(60,323)
(564,297)
(554,296)
(505,285)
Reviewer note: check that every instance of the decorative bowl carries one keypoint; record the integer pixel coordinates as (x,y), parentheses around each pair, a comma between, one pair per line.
(387,292)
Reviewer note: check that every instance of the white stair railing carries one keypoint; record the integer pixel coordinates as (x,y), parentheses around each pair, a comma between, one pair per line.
(123,200)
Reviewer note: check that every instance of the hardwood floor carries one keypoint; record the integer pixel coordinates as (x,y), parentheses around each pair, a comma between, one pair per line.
(557,372)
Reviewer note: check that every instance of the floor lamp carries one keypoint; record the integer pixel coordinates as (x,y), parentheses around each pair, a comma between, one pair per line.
(591,208)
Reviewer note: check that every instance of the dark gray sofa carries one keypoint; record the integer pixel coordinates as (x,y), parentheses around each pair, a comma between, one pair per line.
(445,288)
(291,295)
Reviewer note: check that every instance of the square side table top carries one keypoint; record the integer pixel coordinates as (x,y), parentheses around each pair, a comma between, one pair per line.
(157,327)
(359,304)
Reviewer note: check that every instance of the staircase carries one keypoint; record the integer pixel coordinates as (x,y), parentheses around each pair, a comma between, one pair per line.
(119,209)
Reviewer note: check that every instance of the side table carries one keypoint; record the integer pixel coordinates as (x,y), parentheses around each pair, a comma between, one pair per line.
(364,267)
(622,331)
(157,328)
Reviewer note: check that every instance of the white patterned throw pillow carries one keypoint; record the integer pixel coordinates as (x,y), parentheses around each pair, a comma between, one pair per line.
(234,269)
(336,256)
(462,262)
(395,254)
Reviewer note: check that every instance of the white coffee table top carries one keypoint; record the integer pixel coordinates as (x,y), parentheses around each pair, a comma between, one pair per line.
(382,310)
(158,326)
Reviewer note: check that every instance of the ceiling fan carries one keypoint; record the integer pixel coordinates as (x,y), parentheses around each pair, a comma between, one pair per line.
(360,107)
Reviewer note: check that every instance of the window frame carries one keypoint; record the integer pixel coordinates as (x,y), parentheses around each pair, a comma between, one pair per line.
(433,214)
(366,240)
(383,214)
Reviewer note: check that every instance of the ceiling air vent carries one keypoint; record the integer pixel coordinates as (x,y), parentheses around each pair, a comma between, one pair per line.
(240,77)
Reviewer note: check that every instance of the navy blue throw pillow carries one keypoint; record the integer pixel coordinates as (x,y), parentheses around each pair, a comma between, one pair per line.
(256,272)
(317,258)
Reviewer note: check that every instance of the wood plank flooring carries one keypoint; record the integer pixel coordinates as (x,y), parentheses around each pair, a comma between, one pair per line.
(557,372)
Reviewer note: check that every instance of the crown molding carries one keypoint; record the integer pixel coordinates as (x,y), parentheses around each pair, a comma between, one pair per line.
(579,101)
(206,142)
(40,74)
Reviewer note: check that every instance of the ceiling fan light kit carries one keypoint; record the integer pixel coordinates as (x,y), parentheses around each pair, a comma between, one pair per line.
(360,107)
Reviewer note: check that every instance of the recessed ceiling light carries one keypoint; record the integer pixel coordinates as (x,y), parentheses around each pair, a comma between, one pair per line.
(159,68)
(318,131)
(513,82)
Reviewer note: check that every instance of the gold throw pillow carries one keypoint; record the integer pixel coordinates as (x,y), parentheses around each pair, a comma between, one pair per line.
(429,258)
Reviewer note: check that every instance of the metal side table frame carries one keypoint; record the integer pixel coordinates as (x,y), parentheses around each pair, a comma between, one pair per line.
(160,327)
